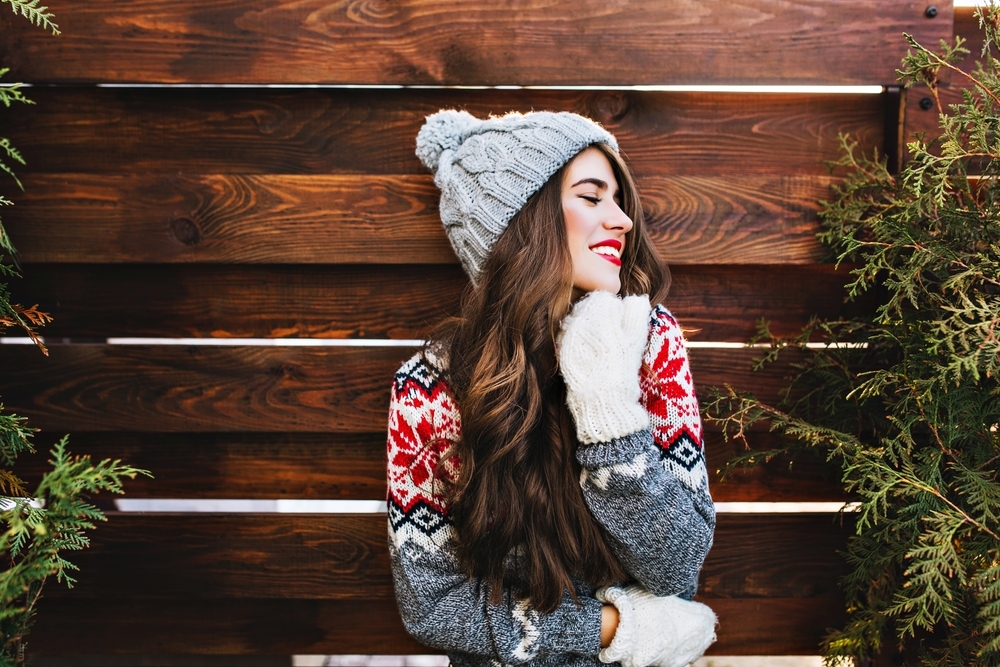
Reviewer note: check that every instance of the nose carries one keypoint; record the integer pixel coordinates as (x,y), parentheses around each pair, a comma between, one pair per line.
(617,219)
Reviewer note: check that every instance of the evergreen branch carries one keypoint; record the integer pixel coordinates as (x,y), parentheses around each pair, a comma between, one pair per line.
(39,16)
(917,484)
(13,154)
(11,93)
(940,61)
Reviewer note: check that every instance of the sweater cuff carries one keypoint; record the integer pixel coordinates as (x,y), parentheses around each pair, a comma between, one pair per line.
(622,644)
(618,450)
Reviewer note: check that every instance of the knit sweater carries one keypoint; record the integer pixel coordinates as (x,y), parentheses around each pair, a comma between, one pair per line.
(648,489)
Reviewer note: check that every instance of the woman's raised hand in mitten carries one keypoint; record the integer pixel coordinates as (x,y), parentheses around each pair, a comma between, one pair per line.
(658,631)
(600,350)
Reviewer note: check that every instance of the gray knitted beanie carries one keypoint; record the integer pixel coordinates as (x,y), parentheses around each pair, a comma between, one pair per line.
(488,169)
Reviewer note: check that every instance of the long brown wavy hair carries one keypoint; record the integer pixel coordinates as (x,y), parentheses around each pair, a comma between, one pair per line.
(518,510)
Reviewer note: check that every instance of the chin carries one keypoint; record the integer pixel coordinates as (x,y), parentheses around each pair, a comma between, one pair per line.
(583,287)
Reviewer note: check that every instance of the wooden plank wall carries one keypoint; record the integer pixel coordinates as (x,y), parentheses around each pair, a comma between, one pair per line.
(206,210)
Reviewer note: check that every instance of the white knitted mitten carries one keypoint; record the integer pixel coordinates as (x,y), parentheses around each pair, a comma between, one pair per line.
(660,631)
(600,350)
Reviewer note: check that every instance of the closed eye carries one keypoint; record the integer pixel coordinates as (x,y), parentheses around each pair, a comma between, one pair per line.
(591,198)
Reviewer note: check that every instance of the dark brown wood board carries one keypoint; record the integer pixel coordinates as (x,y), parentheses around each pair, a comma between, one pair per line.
(201,132)
(345,557)
(352,466)
(713,302)
(384,219)
(483,43)
(747,626)
(180,389)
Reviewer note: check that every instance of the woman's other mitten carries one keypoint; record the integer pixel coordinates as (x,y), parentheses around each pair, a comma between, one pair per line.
(662,631)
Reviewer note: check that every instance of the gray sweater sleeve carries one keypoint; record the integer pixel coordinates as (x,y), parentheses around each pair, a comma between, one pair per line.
(442,608)
(650,489)
(439,604)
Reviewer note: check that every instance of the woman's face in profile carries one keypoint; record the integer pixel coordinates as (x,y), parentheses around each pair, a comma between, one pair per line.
(595,224)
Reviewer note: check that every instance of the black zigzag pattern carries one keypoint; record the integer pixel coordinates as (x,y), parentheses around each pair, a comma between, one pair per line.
(420,372)
(684,451)
(424,517)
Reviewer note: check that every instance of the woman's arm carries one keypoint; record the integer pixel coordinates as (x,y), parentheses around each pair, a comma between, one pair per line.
(644,481)
(609,623)
(439,604)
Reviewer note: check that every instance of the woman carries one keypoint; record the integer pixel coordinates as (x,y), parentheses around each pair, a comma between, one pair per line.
(548,499)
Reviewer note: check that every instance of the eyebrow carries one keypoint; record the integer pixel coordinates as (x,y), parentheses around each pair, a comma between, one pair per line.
(599,183)
(596,181)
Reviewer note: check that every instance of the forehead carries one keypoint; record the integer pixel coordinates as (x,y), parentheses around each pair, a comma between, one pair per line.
(590,163)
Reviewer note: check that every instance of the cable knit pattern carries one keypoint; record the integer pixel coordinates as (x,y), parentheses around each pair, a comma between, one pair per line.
(600,346)
(649,489)
(658,631)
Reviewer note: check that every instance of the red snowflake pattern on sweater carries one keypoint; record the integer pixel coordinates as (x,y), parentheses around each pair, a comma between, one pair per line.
(424,422)
(669,397)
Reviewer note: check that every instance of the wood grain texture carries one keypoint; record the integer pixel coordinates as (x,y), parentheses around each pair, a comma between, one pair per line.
(233,465)
(145,131)
(72,626)
(755,626)
(346,557)
(807,478)
(266,389)
(714,302)
(483,43)
(921,115)
(740,219)
(352,466)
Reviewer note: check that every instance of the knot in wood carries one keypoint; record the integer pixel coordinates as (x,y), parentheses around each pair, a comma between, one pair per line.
(373,12)
(611,106)
(186,231)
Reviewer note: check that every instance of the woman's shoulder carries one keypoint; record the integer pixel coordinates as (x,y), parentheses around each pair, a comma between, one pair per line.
(427,368)
(421,396)
(662,324)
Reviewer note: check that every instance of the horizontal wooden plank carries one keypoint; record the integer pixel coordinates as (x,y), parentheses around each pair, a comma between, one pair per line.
(739,219)
(73,626)
(232,465)
(807,478)
(715,303)
(118,131)
(486,43)
(68,626)
(197,388)
(338,466)
(345,557)
(173,660)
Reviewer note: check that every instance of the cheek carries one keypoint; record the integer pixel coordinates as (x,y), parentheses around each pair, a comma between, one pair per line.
(577,228)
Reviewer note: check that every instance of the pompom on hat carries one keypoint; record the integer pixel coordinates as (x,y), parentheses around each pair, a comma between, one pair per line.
(488,169)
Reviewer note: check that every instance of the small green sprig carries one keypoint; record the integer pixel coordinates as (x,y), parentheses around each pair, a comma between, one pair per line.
(38,15)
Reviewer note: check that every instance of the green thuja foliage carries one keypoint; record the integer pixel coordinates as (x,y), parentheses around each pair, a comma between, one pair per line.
(42,526)
(38,527)
(29,9)
(906,402)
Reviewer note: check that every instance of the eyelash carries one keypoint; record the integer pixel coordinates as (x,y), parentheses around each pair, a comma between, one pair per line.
(591,199)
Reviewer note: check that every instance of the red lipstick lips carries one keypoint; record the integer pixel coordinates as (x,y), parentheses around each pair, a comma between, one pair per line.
(610,243)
